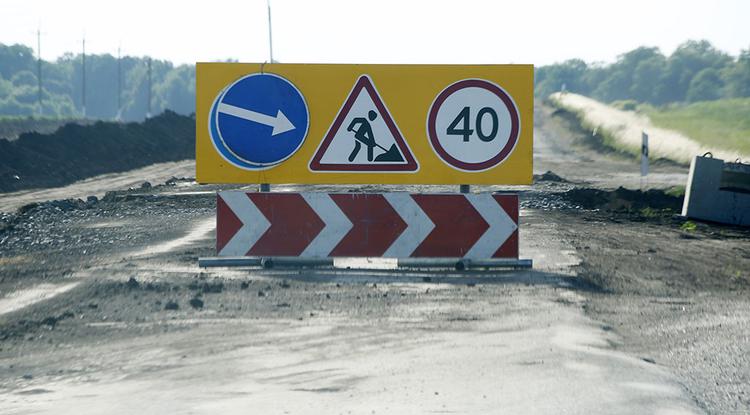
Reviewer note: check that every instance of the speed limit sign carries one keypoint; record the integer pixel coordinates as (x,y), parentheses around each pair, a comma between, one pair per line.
(473,125)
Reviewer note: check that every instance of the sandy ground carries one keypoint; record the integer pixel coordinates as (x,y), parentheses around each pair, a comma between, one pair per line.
(627,127)
(99,185)
(622,313)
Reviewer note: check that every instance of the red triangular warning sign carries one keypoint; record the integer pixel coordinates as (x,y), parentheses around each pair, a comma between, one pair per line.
(363,137)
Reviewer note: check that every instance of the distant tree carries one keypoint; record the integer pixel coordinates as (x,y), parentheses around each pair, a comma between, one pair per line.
(6,88)
(687,61)
(629,61)
(705,86)
(9,106)
(569,73)
(101,86)
(646,77)
(177,92)
(615,87)
(644,74)
(630,76)
(595,75)
(172,88)
(26,94)
(23,78)
(136,93)
(15,58)
(696,70)
(737,77)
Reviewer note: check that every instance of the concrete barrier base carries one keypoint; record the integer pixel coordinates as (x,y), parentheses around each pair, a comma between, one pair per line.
(717,191)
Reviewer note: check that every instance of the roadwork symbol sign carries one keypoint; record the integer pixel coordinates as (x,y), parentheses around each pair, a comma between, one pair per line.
(364,124)
(258,121)
(364,137)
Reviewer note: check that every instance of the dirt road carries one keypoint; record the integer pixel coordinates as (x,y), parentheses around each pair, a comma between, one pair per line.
(99,185)
(104,310)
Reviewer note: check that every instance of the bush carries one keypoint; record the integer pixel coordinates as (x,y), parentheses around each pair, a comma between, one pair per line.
(626,105)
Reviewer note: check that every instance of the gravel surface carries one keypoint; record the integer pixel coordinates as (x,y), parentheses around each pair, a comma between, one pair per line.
(103,299)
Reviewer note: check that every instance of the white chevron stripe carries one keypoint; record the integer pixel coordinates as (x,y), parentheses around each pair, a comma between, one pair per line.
(418,224)
(254,224)
(337,225)
(501,226)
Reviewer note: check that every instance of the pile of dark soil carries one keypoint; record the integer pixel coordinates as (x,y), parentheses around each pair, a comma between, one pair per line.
(549,176)
(76,152)
(623,199)
(12,128)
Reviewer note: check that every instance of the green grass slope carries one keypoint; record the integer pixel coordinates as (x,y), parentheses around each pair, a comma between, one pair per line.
(724,123)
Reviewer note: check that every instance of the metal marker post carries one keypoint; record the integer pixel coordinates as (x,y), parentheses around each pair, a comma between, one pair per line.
(644,158)
(39,67)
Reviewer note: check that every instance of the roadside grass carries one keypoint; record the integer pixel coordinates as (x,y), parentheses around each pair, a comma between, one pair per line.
(723,123)
(689,226)
(725,127)
(601,138)
(676,191)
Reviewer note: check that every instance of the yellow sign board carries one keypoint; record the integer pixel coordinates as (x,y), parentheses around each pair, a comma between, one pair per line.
(364,124)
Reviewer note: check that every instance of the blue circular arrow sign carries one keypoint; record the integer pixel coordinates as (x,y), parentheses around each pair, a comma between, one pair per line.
(259,121)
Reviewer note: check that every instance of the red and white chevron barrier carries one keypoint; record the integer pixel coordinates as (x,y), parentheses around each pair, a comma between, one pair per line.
(392,225)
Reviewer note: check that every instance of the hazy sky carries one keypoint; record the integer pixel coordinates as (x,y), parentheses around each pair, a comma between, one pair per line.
(376,31)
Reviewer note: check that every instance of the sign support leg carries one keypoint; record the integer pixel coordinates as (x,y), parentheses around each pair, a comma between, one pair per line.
(265,187)
(465,188)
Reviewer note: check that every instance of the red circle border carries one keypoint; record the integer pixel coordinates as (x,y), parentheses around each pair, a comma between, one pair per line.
(515,123)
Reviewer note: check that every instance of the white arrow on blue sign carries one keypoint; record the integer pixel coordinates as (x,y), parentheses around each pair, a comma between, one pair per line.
(259,121)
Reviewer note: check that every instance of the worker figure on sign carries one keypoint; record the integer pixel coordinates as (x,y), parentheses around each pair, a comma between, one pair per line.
(362,130)
(363,135)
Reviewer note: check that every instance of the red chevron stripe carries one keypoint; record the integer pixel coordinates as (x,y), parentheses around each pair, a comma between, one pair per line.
(457,226)
(375,225)
(227,223)
(509,248)
(293,224)
(509,203)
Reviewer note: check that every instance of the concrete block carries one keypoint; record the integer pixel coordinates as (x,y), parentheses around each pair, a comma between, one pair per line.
(718,191)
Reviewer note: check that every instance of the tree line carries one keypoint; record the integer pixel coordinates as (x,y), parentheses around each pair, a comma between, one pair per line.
(171,87)
(695,71)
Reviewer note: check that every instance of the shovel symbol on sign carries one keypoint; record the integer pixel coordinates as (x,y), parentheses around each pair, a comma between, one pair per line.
(362,130)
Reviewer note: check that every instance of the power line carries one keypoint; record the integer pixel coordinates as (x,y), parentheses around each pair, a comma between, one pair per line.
(83,77)
(148,111)
(39,67)
(118,116)
(270,32)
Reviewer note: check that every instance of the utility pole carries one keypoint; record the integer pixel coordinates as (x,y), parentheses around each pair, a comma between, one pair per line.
(39,67)
(83,78)
(266,187)
(148,104)
(270,32)
(118,116)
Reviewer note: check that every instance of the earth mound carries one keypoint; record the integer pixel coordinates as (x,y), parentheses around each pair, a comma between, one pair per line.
(76,152)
